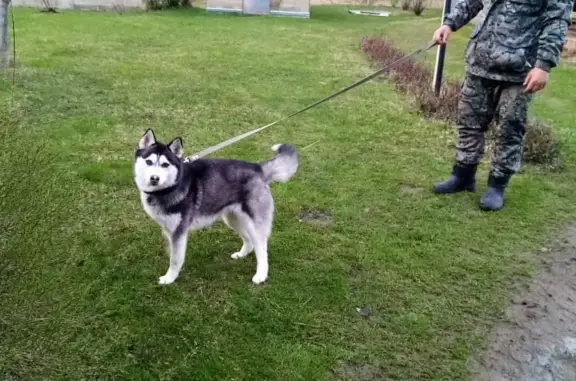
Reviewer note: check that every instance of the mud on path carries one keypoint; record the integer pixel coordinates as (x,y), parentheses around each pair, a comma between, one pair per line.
(537,342)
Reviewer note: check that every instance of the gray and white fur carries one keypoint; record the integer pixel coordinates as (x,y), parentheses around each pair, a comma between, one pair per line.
(185,196)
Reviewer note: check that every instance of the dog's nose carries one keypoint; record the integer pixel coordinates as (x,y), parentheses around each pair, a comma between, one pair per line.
(154,180)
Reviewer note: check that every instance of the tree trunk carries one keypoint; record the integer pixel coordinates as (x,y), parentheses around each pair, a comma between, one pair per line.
(4,34)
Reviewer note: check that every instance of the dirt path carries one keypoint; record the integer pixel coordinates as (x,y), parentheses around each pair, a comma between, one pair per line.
(538,340)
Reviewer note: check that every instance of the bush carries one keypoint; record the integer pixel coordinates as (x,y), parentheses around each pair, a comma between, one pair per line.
(416,80)
(406,5)
(156,5)
(418,6)
(540,145)
(541,148)
(394,3)
(49,6)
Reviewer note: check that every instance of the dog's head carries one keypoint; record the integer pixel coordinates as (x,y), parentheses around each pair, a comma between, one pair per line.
(156,165)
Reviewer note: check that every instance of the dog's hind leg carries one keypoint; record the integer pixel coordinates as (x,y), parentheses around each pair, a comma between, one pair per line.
(177,253)
(237,224)
(260,232)
(261,251)
(255,233)
(259,223)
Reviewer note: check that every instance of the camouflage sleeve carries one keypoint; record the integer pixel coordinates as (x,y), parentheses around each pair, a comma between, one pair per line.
(558,16)
(462,12)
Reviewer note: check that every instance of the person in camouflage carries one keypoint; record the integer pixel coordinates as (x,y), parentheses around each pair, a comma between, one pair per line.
(508,58)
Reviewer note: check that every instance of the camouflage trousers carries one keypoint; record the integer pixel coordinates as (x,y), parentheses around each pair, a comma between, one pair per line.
(485,100)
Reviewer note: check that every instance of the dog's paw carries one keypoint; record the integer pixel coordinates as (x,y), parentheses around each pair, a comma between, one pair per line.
(259,278)
(238,255)
(164,280)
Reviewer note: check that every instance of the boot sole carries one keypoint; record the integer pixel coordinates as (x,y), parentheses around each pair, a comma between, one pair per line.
(469,190)
(486,209)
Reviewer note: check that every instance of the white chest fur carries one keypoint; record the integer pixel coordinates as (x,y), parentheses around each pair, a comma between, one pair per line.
(168,222)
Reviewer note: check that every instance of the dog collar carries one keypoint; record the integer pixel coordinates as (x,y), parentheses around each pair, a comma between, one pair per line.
(162,192)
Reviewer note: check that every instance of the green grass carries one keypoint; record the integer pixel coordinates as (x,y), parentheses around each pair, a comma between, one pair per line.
(80,260)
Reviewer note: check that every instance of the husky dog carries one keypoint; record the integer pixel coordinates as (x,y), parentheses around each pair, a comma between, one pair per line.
(184,196)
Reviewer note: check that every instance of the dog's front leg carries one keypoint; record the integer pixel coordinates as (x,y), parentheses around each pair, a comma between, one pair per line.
(177,245)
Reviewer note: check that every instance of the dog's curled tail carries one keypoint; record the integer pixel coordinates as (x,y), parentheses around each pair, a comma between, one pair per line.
(282,166)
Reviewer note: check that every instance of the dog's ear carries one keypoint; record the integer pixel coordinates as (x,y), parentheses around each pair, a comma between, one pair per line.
(147,139)
(176,147)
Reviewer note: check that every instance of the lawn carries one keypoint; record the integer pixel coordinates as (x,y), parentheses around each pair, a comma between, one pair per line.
(80,259)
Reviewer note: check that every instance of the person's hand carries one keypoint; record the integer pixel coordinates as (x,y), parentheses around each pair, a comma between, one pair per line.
(535,80)
(441,35)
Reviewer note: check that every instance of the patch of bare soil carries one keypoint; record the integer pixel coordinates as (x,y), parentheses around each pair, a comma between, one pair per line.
(538,340)
(315,217)
(408,190)
(361,373)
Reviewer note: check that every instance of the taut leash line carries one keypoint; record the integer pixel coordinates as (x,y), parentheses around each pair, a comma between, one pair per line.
(235,139)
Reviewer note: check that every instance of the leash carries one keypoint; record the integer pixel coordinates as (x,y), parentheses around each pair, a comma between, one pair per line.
(235,139)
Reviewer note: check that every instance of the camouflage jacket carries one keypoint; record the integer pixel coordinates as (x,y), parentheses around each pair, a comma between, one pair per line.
(515,35)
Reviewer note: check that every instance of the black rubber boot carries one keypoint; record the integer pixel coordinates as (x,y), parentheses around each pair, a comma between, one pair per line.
(493,199)
(462,180)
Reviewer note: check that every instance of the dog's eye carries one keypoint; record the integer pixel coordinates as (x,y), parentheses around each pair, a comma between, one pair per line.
(164,165)
(149,162)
